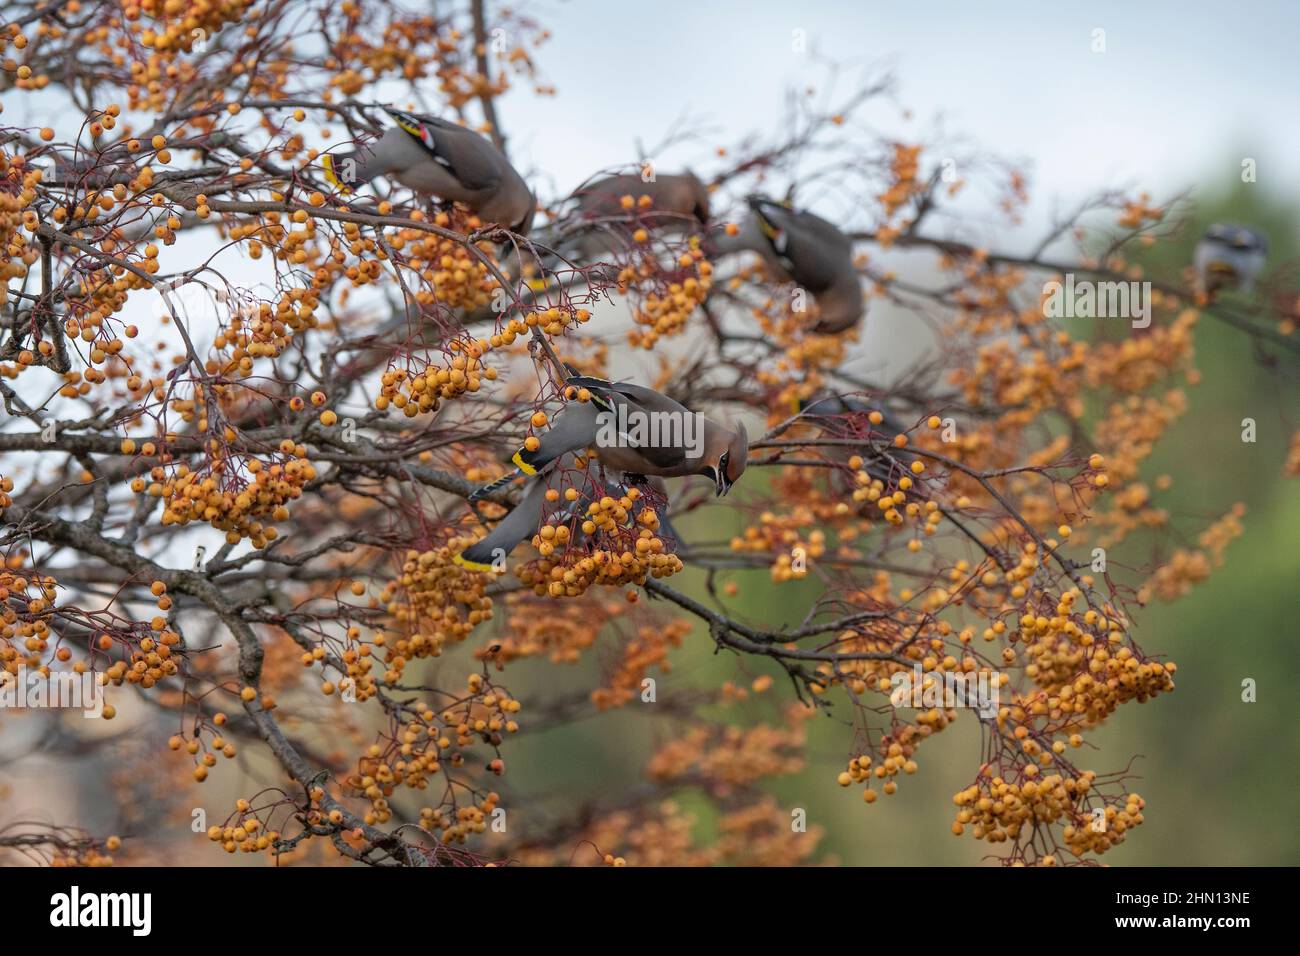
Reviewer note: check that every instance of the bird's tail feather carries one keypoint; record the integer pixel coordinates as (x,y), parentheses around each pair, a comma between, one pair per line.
(497,485)
(476,557)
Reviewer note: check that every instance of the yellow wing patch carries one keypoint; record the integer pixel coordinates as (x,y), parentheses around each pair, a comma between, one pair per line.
(523,466)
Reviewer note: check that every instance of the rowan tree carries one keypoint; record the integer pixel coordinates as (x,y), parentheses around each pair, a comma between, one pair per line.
(245,411)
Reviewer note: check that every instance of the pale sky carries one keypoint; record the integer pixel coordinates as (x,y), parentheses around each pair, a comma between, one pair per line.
(1181,89)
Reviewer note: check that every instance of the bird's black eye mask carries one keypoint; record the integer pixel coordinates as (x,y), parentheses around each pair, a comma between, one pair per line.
(723,482)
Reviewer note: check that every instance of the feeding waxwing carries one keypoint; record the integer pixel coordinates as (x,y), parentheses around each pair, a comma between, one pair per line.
(521,523)
(1229,255)
(803,248)
(439,158)
(638,431)
(679,203)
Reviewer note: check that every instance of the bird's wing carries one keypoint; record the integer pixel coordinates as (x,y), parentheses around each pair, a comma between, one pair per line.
(814,252)
(638,398)
(640,395)
(574,429)
(462,152)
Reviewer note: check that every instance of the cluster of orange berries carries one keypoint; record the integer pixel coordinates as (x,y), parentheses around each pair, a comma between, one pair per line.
(1133,509)
(783,534)
(13,37)
(6,486)
(650,648)
(560,631)
(420,392)
(263,331)
(552,321)
(454,277)
(662,312)
(223,497)
(999,811)
(81,856)
(1097,833)
(1186,568)
(207,756)
(25,635)
(1135,363)
(631,551)
(457,827)
(903,169)
(358,663)
(150,663)
(1131,428)
(486,714)
(179,26)
(16,196)
(897,749)
(1138,212)
(376,778)
(433,603)
(735,756)
(755,833)
(245,834)
(483,714)
(26,604)
(1113,678)
(1025,382)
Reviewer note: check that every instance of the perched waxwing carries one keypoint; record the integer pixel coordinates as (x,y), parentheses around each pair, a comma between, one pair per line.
(679,203)
(440,158)
(523,520)
(1229,256)
(637,431)
(803,248)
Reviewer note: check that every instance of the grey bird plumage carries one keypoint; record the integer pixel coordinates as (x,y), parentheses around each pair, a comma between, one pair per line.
(721,454)
(637,431)
(803,248)
(1229,255)
(433,156)
(679,204)
(523,520)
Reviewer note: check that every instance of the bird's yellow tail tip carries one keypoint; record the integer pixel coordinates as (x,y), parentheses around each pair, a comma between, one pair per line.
(464,562)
